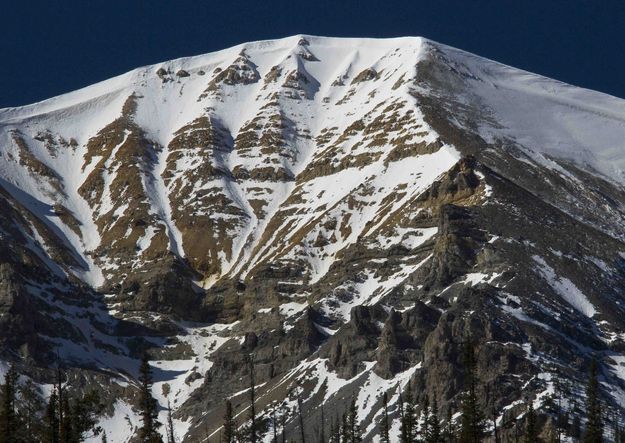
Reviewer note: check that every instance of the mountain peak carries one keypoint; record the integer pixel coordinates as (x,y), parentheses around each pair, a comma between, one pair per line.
(346,210)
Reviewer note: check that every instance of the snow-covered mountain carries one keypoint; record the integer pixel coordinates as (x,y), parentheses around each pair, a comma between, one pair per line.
(349,211)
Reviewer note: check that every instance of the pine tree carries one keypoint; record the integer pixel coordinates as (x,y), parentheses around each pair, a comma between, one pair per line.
(434,427)
(82,416)
(425,418)
(385,425)
(61,407)
(352,423)
(274,424)
(229,424)
(335,431)
(562,424)
(332,433)
(301,420)
(104,440)
(8,419)
(253,429)
(472,421)
(338,433)
(345,429)
(283,425)
(322,436)
(561,418)
(553,436)
(450,431)
(594,424)
(79,419)
(33,408)
(401,408)
(147,405)
(408,420)
(495,430)
(576,428)
(66,432)
(52,421)
(531,428)
(171,438)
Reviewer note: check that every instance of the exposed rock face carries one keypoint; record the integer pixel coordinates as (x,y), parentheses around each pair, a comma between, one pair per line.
(346,212)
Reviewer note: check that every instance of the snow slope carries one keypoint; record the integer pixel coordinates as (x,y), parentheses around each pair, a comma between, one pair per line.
(300,174)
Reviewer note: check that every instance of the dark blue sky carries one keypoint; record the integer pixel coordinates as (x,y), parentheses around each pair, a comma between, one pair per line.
(51,47)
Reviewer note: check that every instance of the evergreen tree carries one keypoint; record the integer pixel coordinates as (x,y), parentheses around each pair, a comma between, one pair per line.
(335,431)
(576,428)
(338,430)
(8,418)
(353,429)
(229,424)
(147,405)
(553,436)
(531,428)
(345,429)
(331,439)
(62,408)
(82,417)
(79,417)
(616,428)
(301,420)
(52,421)
(408,420)
(385,424)
(322,436)
(561,417)
(33,408)
(495,430)
(562,423)
(594,424)
(274,424)
(401,408)
(253,429)
(434,427)
(171,438)
(449,435)
(66,433)
(104,440)
(425,419)
(472,421)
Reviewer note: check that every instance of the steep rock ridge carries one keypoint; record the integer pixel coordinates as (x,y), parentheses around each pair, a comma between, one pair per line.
(348,211)
(198,160)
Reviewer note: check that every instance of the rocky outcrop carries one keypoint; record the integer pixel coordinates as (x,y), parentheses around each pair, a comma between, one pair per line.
(455,248)
(402,339)
(16,313)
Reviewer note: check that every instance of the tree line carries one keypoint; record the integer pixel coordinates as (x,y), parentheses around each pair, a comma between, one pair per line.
(66,417)
(422,423)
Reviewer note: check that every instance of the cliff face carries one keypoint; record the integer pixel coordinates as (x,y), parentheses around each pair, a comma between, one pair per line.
(348,211)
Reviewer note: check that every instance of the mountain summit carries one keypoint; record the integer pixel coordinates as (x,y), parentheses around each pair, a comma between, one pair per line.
(348,213)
